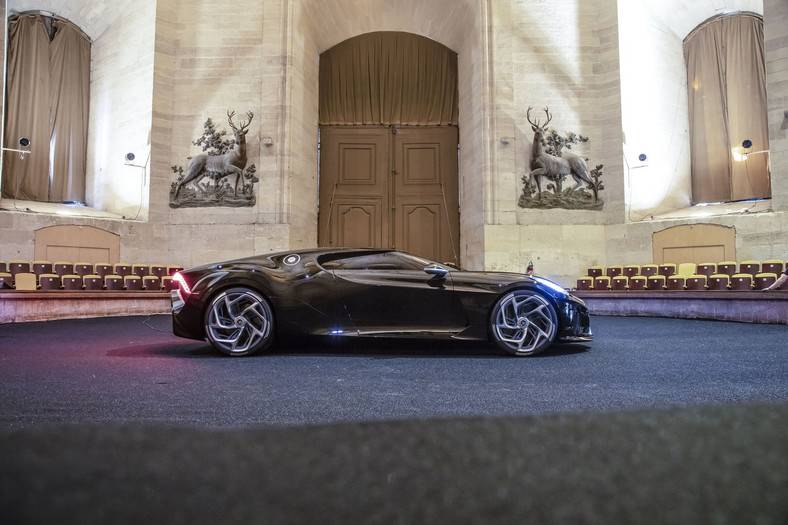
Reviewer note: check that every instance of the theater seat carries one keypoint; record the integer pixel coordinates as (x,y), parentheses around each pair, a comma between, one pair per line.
(140,269)
(103,269)
(727,267)
(168,283)
(152,283)
(132,282)
(72,282)
(84,268)
(158,270)
(675,282)
(667,269)
(647,270)
(585,283)
(763,280)
(122,269)
(113,282)
(719,281)
(42,267)
(3,267)
(631,270)
(686,269)
(707,269)
(602,282)
(63,268)
(695,282)
(638,282)
(49,281)
(741,281)
(772,266)
(25,281)
(93,282)
(614,270)
(619,282)
(656,282)
(6,281)
(172,269)
(751,267)
(15,267)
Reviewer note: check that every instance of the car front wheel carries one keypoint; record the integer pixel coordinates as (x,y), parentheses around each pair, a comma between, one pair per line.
(523,323)
(239,322)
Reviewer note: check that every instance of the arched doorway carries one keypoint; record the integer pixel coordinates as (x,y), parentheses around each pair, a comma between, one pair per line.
(388,139)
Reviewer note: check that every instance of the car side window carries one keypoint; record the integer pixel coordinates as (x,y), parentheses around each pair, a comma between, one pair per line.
(378,261)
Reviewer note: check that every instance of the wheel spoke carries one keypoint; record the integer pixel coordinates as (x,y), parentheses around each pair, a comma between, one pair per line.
(238,322)
(524,323)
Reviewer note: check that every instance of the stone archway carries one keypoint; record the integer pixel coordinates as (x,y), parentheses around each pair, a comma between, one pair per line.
(313,27)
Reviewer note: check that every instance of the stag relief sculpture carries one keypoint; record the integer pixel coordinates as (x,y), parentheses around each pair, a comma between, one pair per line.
(545,165)
(231,163)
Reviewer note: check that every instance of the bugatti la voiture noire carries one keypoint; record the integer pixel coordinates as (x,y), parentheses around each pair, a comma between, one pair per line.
(241,306)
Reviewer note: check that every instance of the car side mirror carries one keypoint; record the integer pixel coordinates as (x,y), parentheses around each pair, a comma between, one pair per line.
(434,269)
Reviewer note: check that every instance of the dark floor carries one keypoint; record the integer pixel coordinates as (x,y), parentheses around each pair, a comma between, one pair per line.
(656,421)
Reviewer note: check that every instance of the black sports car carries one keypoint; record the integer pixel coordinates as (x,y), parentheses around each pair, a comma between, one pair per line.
(240,306)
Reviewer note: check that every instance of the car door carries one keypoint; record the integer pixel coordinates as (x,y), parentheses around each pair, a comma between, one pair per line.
(390,292)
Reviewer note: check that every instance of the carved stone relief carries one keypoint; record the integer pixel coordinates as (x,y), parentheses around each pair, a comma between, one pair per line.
(218,177)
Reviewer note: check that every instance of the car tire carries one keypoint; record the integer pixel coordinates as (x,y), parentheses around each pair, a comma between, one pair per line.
(239,321)
(523,323)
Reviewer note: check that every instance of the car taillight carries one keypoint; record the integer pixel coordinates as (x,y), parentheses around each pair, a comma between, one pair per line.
(184,286)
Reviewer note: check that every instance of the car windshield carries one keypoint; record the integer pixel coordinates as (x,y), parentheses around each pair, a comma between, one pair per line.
(376,261)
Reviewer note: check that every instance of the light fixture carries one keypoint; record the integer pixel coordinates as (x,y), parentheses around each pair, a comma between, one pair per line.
(23,142)
(129,157)
(740,153)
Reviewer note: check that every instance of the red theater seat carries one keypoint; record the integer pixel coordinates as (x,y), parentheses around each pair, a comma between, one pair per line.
(152,283)
(763,280)
(93,282)
(103,269)
(741,281)
(695,282)
(707,269)
(727,267)
(50,281)
(63,268)
(656,282)
(751,267)
(619,282)
(631,270)
(140,269)
(72,282)
(113,282)
(719,281)
(647,270)
(637,282)
(585,283)
(83,268)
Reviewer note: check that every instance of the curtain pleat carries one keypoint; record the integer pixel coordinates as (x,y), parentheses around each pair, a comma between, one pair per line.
(27,85)
(727,104)
(388,78)
(47,92)
(69,95)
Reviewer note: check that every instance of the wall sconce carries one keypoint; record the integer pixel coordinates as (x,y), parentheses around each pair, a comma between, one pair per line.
(268,141)
(740,153)
(23,142)
(507,140)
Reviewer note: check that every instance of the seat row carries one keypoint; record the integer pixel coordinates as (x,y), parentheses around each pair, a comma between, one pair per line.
(726,275)
(46,275)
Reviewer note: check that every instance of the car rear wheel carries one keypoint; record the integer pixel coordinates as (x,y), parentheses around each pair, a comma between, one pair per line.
(523,323)
(239,322)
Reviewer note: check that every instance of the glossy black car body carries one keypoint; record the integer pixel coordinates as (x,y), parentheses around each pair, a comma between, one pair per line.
(240,306)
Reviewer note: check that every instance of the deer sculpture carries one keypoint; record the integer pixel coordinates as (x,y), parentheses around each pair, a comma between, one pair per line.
(546,165)
(231,163)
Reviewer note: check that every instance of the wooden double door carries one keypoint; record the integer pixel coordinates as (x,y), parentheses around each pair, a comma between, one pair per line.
(393,187)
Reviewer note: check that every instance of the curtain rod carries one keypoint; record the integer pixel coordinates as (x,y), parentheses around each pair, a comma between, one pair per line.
(48,14)
(714,18)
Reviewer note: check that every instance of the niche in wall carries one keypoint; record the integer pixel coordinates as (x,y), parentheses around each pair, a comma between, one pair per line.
(696,243)
(77,244)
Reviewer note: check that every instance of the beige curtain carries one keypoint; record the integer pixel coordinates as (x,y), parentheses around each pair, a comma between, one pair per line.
(727,104)
(47,90)
(388,78)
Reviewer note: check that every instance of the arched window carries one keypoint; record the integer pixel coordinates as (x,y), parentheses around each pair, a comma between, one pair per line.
(726,83)
(47,101)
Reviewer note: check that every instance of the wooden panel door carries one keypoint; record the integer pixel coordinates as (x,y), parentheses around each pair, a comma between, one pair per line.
(390,188)
(354,187)
(426,210)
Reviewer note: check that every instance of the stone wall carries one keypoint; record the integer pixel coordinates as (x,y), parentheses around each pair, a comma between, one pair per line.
(165,66)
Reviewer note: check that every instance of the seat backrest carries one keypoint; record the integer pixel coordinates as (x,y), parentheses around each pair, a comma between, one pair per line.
(686,269)
(25,281)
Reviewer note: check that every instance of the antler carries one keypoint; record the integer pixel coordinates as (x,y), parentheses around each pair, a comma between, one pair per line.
(537,124)
(230,120)
(549,116)
(246,125)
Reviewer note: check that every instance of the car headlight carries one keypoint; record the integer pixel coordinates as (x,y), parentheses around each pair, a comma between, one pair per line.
(550,284)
